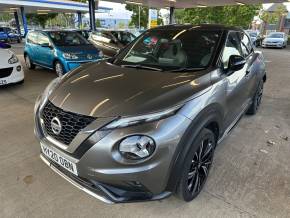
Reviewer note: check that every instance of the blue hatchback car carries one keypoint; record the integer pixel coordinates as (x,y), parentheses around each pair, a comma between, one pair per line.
(9,35)
(61,51)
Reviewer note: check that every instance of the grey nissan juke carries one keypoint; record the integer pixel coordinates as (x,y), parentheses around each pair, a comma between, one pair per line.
(145,123)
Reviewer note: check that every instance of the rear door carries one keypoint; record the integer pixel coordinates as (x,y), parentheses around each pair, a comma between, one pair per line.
(252,65)
(236,82)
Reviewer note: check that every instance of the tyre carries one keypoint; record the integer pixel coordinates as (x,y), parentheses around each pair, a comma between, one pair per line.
(29,63)
(59,69)
(257,99)
(197,166)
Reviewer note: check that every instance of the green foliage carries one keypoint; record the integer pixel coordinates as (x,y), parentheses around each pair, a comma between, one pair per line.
(144,16)
(274,17)
(240,15)
(5,17)
(83,1)
(121,25)
(98,23)
(40,19)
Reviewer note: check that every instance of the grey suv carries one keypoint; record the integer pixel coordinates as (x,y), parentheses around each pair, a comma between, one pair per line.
(145,124)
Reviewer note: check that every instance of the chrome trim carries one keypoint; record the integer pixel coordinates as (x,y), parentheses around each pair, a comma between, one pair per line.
(101,198)
(51,139)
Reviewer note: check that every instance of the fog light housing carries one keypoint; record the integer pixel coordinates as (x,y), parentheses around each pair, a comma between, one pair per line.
(137,147)
(18,68)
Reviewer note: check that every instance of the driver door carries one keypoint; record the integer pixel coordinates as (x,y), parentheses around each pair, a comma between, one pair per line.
(45,51)
(236,82)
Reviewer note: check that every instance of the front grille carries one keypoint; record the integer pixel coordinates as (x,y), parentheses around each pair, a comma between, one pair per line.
(5,72)
(85,56)
(72,123)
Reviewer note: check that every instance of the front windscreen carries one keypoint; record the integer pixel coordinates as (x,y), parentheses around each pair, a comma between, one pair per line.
(172,49)
(63,38)
(276,35)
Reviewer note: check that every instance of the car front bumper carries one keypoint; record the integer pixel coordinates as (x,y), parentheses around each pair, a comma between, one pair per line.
(14,77)
(114,181)
(272,45)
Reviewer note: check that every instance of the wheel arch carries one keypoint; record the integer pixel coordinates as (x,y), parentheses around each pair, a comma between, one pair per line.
(211,118)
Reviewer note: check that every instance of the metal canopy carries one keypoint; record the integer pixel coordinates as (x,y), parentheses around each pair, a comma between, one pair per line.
(194,3)
(46,6)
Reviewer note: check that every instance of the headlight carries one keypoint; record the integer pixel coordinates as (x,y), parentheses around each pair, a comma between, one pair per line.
(129,121)
(13,59)
(48,90)
(137,147)
(70,56)
(101,54)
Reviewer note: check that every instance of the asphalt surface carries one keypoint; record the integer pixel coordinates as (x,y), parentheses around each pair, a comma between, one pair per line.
(250,176)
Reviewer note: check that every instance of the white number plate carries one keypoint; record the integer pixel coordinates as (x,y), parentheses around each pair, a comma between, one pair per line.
(3,82)
(60,160)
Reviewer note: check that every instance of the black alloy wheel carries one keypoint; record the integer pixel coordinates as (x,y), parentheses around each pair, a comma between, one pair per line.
(197,166)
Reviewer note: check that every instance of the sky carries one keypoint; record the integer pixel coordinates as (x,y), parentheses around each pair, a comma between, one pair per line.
(118,12)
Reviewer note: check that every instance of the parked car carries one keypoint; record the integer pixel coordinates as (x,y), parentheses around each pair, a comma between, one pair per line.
(145,124)
(61,51)
(110,42)
(84,32)
(256,38)
(9,35)
(275,40)
(11,70)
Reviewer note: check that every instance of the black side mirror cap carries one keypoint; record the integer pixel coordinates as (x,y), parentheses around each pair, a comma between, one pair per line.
(236,63)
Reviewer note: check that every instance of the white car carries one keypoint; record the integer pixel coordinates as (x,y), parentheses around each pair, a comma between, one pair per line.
(275,40)
(11,70)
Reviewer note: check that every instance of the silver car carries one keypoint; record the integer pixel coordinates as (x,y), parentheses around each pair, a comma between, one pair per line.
(144,124)
(275,40)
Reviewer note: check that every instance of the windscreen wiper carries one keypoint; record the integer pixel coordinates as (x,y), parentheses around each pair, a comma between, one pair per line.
(187,69)
(138,66)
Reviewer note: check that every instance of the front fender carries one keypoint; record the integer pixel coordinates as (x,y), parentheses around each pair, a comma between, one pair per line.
(211,114)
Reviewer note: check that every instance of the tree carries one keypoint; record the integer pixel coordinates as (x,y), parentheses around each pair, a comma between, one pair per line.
(275,17)
(240,15)
(144,16)
(98,23)
(40,19)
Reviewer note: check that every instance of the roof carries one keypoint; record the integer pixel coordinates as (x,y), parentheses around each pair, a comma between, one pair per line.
(47,6)
(193,3)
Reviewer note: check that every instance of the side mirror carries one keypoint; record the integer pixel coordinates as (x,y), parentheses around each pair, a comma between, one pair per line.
(236,63)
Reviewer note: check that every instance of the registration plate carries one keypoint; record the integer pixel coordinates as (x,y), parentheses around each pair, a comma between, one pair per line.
(59,159)
(3,82)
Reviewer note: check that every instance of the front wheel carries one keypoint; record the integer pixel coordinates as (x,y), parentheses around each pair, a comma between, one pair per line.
(59,69)
(28,63)
(197,166)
